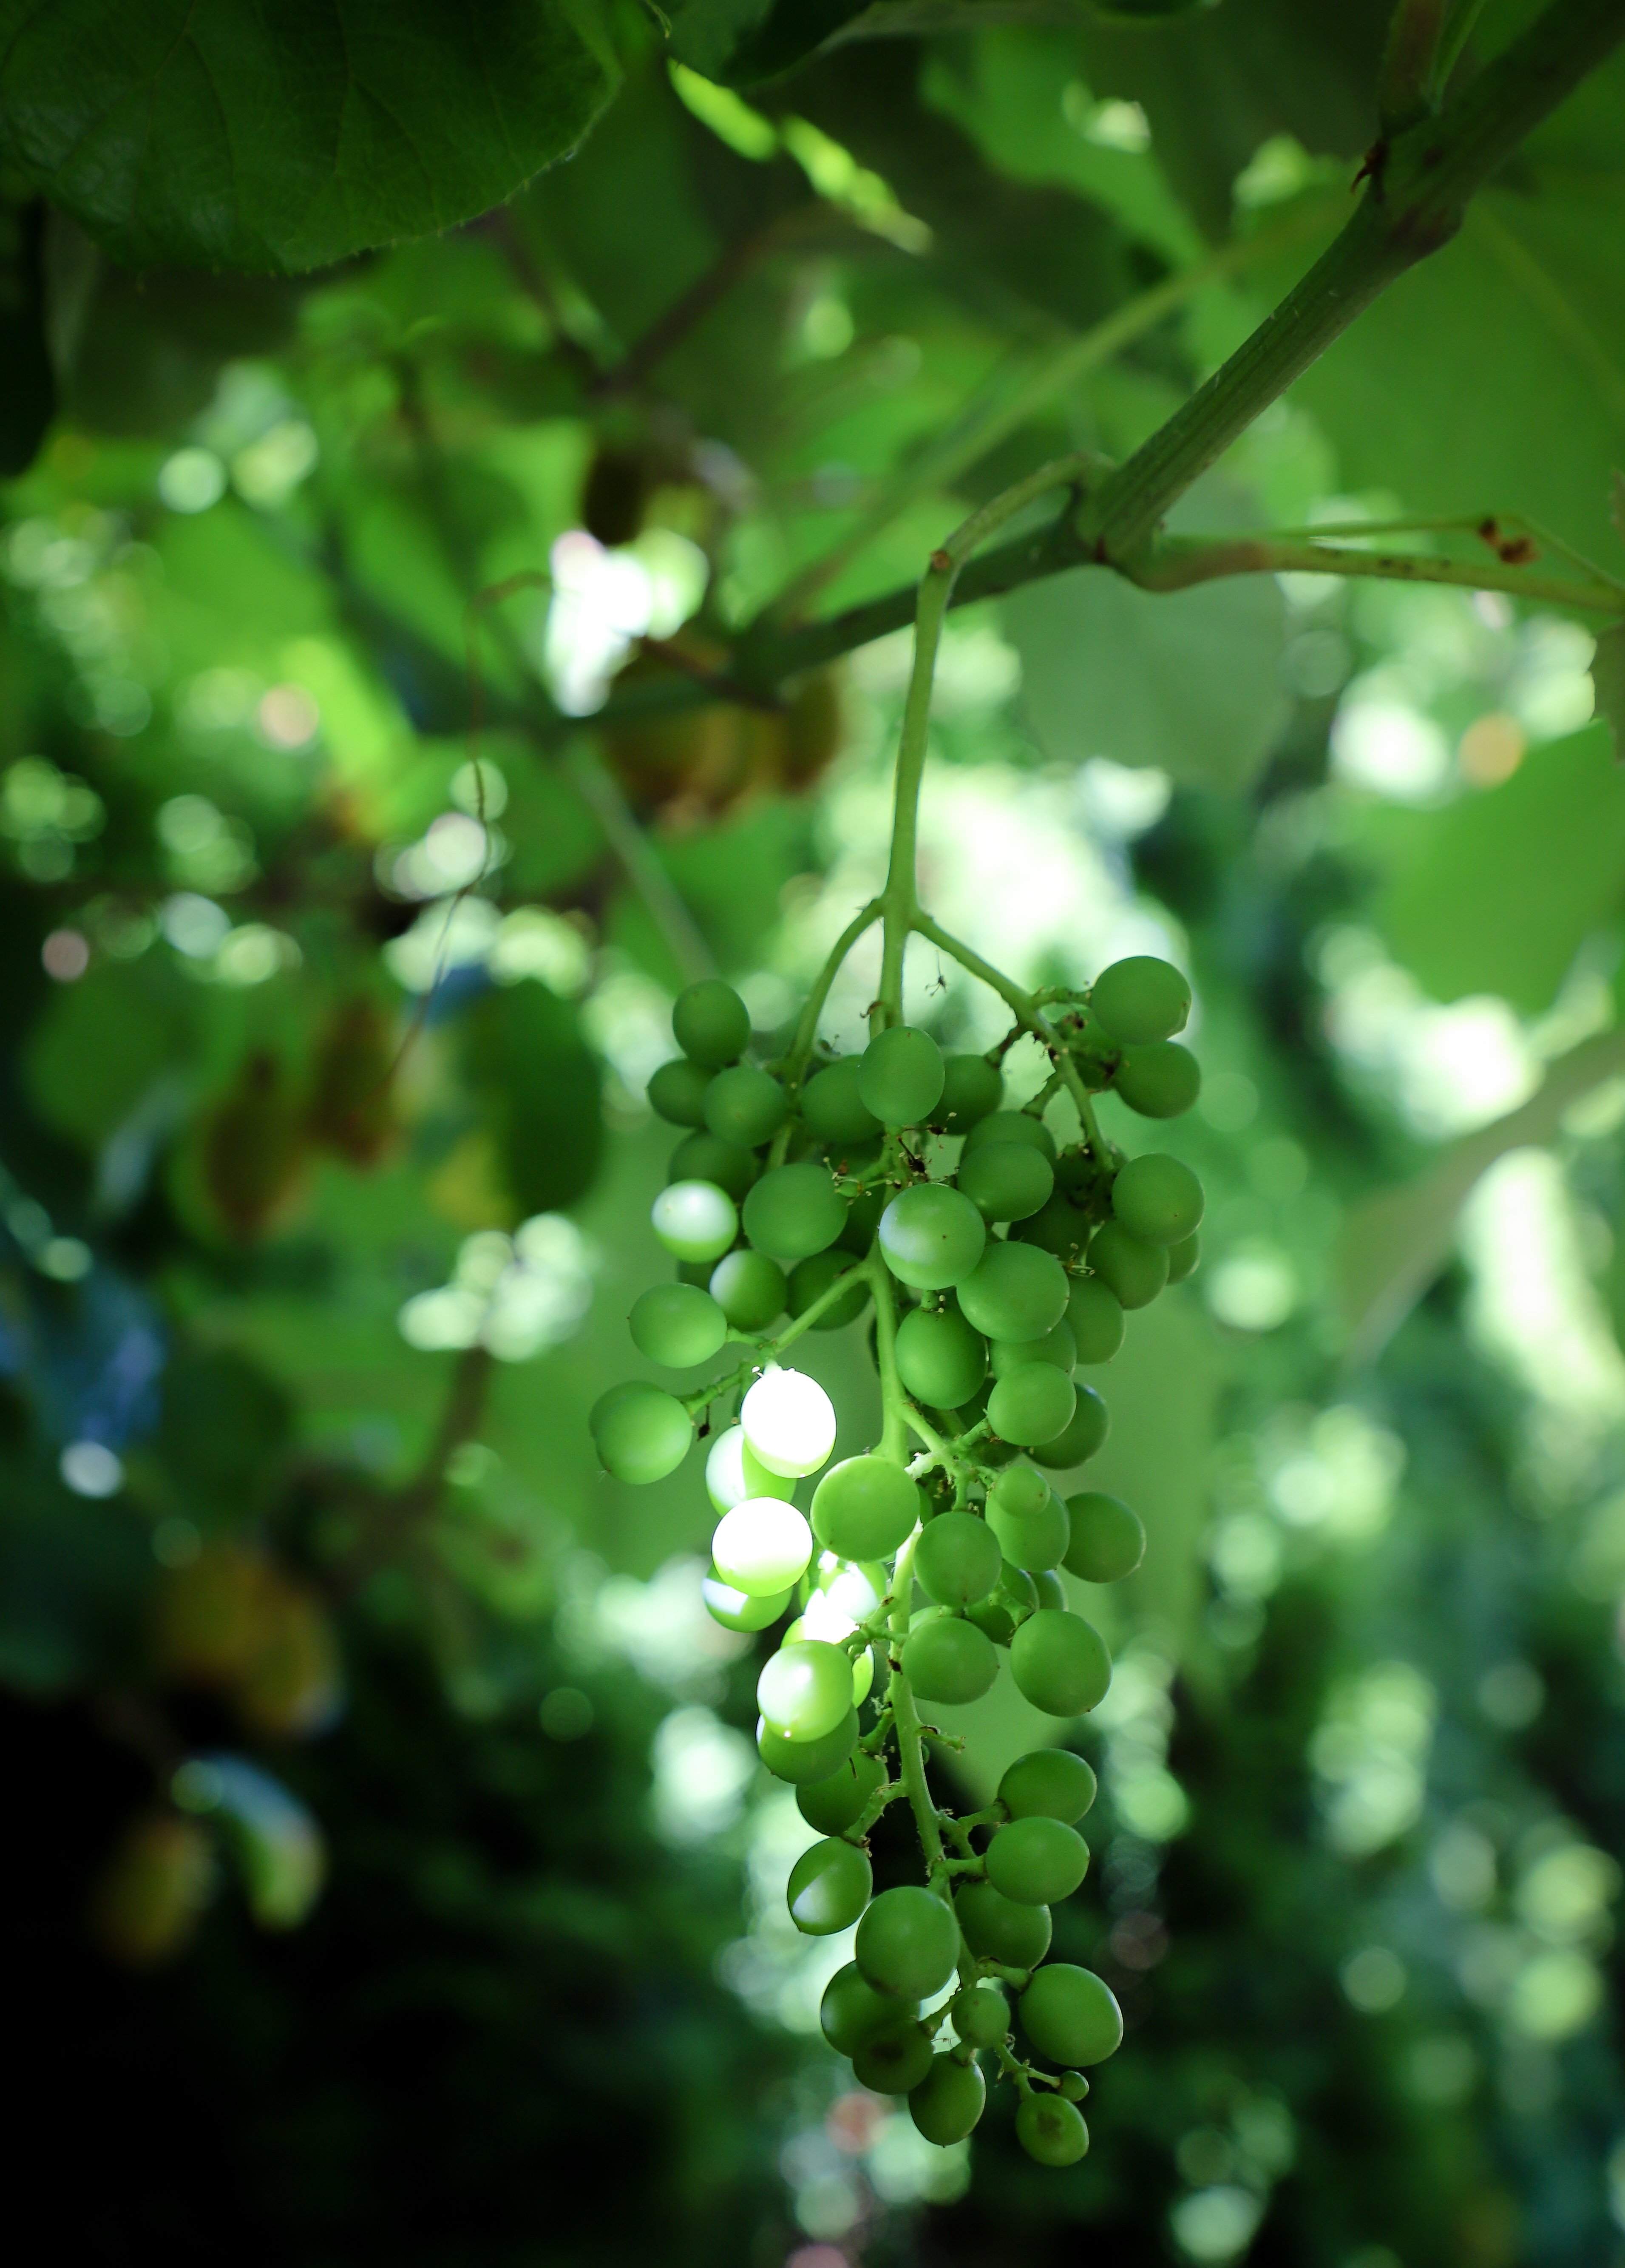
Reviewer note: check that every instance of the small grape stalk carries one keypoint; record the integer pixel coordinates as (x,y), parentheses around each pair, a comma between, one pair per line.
(990,1256)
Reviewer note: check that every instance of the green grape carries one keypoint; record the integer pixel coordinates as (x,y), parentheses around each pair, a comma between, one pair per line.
(746,1106)
(833,1109)
(900,1076)
(789,1423)
(971,1087)
(1037,1860)
(701,1157)
(1049,2128)
(677,1092)
(894,2061)
(1031,1403)
(1020,1493)
(981,2016)
(607,1399)
(1158,1199)
(1059,1226)
(863,1678)
(1069,2016)
(1006,1181)
(864,1507)
(1073,2088)
(811,1277)
(749,1288)
(863,1219)
(993,1618)
(957,1559)
(997,1929)
(1132,1271)
(931,1237)
(762,1546)
(1079,1440)
(694,1220)
(732,1472)
(1160,1081)
(697,1272)
(1019,1591)
(852,2012)
(949,1660)
(1094,1315)
(1010,1126)
(1050,1588)
(710,1022)
(1183,1258)
(907,1943)
(1048,1784)
(737,1610)
(645,1435)
(1038,1541)
(1108,1540)
(803,1761)
(829,1888)
(1060,1662)
(805,1690)
(794,1210)
(940,1359)
(1140,999)
(949,2101)
(1014,1291)
(1057,1347)
(835,1804)
(676,1325)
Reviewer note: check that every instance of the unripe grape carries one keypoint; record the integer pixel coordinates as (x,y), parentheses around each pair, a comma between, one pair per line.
(1048,1784)
(1081,1439)
(971,1088)
(829,1888)
(862,1220)
(1158,1199)
(834,1110)
(1018,1588)
(677,1092)
(607,1399)
(749,1288)
(1020,1494)
(676,1325)
(696,1221)
(981,2016)
(1060,1226)
(993,1618)
(789,1422)
(702,1157)
(1094,1315)
(1037,1542)
(803,1761)
(811,1277)
(1057,1347)
(864,1507)
(1183,1258)
(907,1943)
(863,1678)
(1006,1181)
(835,1804)
(851,2011)
(997,1929)
(1050,1588)
(762,1546)
(949,1660)
(745,1104)
(940,1359)
(893,2061)
(1014,1291)
(1050,2129)
(644,1436)
(931,1237)
(794,1210)
(737,1610)
(1073,2088)
(1140,999)
(1060,1662)
(1069,2016)
(697,1272)
(1037,1860)
(1132,1271)
(732,1472)
(1031,1403)
(957,1559)
(805,1690)
(711,1023)
(900,1076)
(1107,1542)
(1160,1081)
(949,2101)
(1010,1126)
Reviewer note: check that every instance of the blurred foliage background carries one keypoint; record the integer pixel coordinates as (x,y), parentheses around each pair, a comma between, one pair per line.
(393,1876)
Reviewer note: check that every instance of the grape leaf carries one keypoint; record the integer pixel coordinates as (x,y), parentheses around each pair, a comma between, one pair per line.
(220,133)
(740,42)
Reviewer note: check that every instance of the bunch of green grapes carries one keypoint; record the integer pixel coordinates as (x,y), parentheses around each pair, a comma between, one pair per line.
(992,1263)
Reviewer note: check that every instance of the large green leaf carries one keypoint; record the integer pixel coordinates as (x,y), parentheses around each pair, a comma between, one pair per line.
(221,133)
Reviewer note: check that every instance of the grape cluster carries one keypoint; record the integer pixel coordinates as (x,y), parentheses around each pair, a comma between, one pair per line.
(992,1263)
